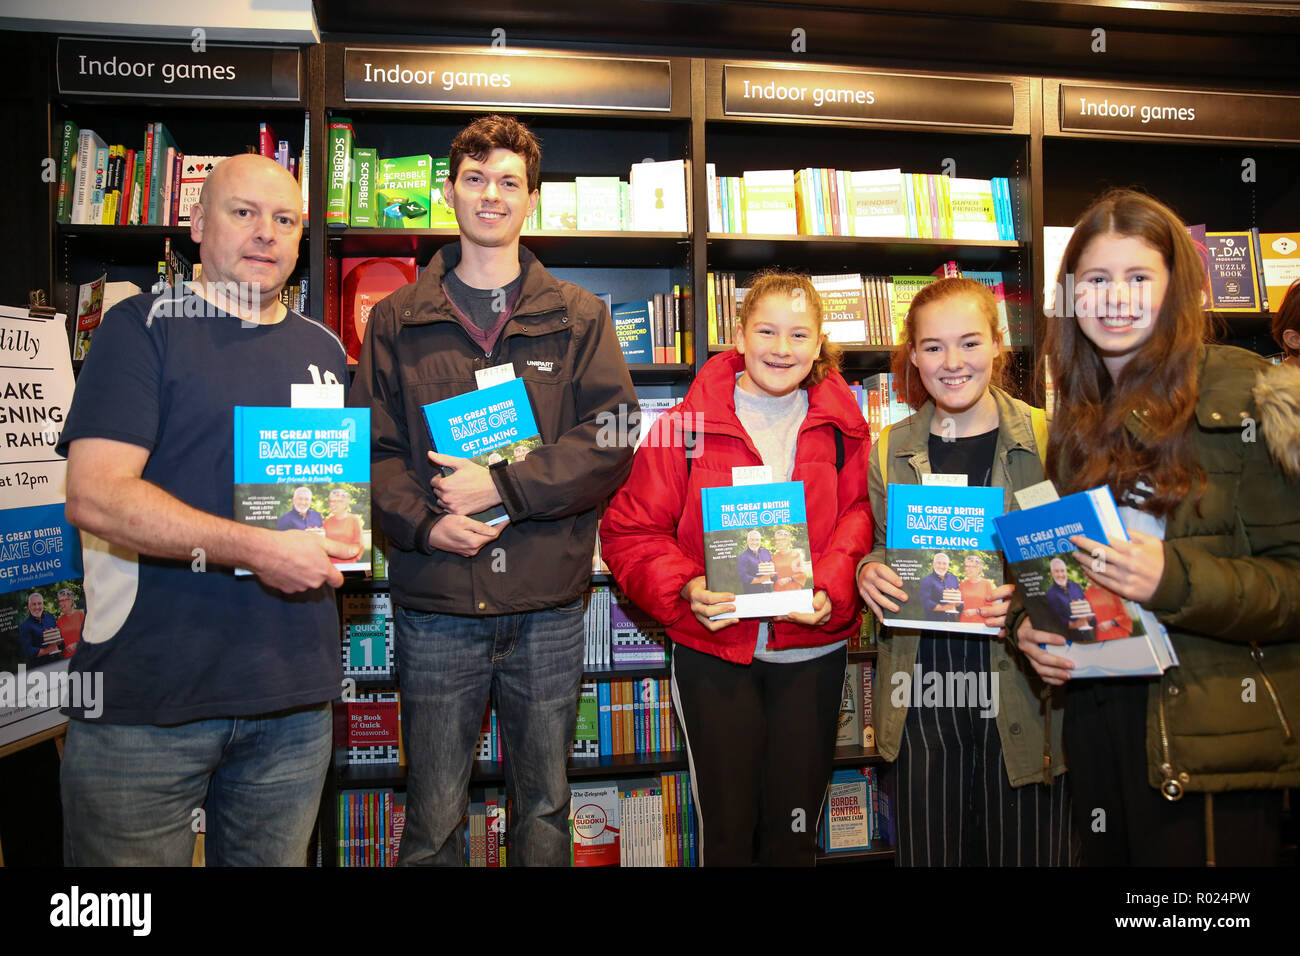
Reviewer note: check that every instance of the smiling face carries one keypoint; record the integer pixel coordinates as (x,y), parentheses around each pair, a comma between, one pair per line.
(302,500)
(491,198)
(780,344)
(65,602)
(1120,284)
(35,604)
(974,568)
(248,226)
(954,353)
(782,538)
(753,541)
(339,502)
(940,564)
(1058,573)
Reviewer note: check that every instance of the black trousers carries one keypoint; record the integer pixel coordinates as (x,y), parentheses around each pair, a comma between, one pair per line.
(956,806)
(1123,821)
(760,740)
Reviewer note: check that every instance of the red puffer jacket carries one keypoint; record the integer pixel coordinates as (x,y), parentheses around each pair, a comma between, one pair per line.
(651,535)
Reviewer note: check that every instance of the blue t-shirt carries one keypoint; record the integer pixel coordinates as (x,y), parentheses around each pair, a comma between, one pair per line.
(175,644)
(293,521)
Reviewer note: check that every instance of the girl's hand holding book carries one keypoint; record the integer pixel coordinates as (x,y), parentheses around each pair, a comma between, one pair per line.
(1052,669)
(1132,569)
(705,603)
(877,583)
(821,612)
(995,612)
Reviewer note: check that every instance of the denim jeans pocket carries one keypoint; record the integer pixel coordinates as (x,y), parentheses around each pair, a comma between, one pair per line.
(573,607)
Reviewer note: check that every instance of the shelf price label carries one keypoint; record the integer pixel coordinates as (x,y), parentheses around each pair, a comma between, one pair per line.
(168,69)
(813,93)
(506,79)
(1180,113)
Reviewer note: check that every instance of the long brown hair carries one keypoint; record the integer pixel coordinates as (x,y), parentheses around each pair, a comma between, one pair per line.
(907,381)
(798,287)
(1090,444)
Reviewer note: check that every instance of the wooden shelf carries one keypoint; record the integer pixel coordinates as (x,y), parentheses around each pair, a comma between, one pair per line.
(555,248)
(647,373)
(856,756)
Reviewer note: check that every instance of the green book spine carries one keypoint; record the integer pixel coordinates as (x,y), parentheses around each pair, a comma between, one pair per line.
(338,191)
(67,171)
(440,214)
(362,212)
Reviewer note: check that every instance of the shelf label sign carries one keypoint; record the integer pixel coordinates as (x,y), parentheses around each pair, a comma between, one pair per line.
(1171,113)
(505,79)
(867,97)
(164,69)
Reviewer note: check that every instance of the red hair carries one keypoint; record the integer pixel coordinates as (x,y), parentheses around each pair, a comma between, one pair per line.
(907,383)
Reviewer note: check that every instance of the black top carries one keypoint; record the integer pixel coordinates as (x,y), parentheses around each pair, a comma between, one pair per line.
(971,456)
(482,306)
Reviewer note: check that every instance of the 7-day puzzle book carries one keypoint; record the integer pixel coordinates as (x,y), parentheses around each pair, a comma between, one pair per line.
(1106,635)
(756,547)
(306,469)
(488,425)
(942,543)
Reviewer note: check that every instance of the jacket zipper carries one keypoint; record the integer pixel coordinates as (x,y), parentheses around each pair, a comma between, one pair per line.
(1169,786)
(1257,653)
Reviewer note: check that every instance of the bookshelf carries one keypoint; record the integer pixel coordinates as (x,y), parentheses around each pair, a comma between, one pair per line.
(977,125)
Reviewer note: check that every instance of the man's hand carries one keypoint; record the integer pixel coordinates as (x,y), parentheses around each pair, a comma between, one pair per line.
(877,584)
(1132,569)
(1052,669)
(293,561)
(821,612)
(468,490)
(706,603)
(461,535)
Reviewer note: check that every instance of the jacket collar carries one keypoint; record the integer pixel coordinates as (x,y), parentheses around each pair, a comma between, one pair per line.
(911,437)
(539,295)
(712,400)
(1224,379)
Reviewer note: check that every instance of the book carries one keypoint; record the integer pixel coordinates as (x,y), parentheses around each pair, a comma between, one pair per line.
(877,204)
(769,202)
(559,204)
(402,189)
(90,310)
(366,282)
(362,211)
(68,140)
(1280,262)
(595,824)
(846,824)
(367,634)
(1234,273)
(993,281)
(305,469)
(941,541)
(1107,636)
(441,215)
(598,203)
(658,196)
(488,425)
(194,173)
(974,214)
(844,317)
(159,173)
(586,736)
(756,547)
(632,326)
(903,290)
(849,726)
(338,192)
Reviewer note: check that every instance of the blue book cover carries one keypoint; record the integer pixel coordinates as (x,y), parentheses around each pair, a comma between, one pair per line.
(306,469)
(632,326)
(488,425)
(846,823)
(942,542)
(756,547)
(1106,635)
(43,607)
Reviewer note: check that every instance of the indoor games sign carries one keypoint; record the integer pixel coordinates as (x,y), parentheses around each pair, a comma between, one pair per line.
(1234,116)
(161,69)
(506,79)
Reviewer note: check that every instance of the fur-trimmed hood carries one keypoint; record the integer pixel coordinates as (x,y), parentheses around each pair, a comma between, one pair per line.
(1277,398)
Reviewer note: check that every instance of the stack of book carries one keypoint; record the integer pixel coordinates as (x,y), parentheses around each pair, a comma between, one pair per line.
(658,329)
(646,821)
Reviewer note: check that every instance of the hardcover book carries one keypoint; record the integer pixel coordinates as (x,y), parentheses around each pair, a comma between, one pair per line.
(306,469)
(1234,274)
(756,547)
(403,187)
(338,182)
(1107,636)
(488,425)
(942,543)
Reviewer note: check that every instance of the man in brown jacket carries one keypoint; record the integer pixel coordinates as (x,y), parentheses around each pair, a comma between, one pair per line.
(491,609)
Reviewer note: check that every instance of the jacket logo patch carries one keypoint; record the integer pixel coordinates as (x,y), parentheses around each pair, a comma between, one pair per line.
(540,365)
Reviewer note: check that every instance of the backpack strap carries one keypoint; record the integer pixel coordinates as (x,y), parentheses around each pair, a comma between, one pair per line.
(1038,420)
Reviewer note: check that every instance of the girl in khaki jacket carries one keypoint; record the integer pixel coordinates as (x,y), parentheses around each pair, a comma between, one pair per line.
(1199,445)
(977,785)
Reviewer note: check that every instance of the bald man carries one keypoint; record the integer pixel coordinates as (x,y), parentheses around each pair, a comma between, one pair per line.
(216,689)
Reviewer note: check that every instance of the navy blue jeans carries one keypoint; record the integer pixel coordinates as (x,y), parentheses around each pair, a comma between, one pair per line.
(531,664)
(131,791)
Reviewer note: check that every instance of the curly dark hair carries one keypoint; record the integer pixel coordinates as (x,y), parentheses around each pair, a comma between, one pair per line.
(487,133)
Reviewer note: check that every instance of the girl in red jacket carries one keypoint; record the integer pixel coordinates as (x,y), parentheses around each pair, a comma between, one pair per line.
(758,700)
